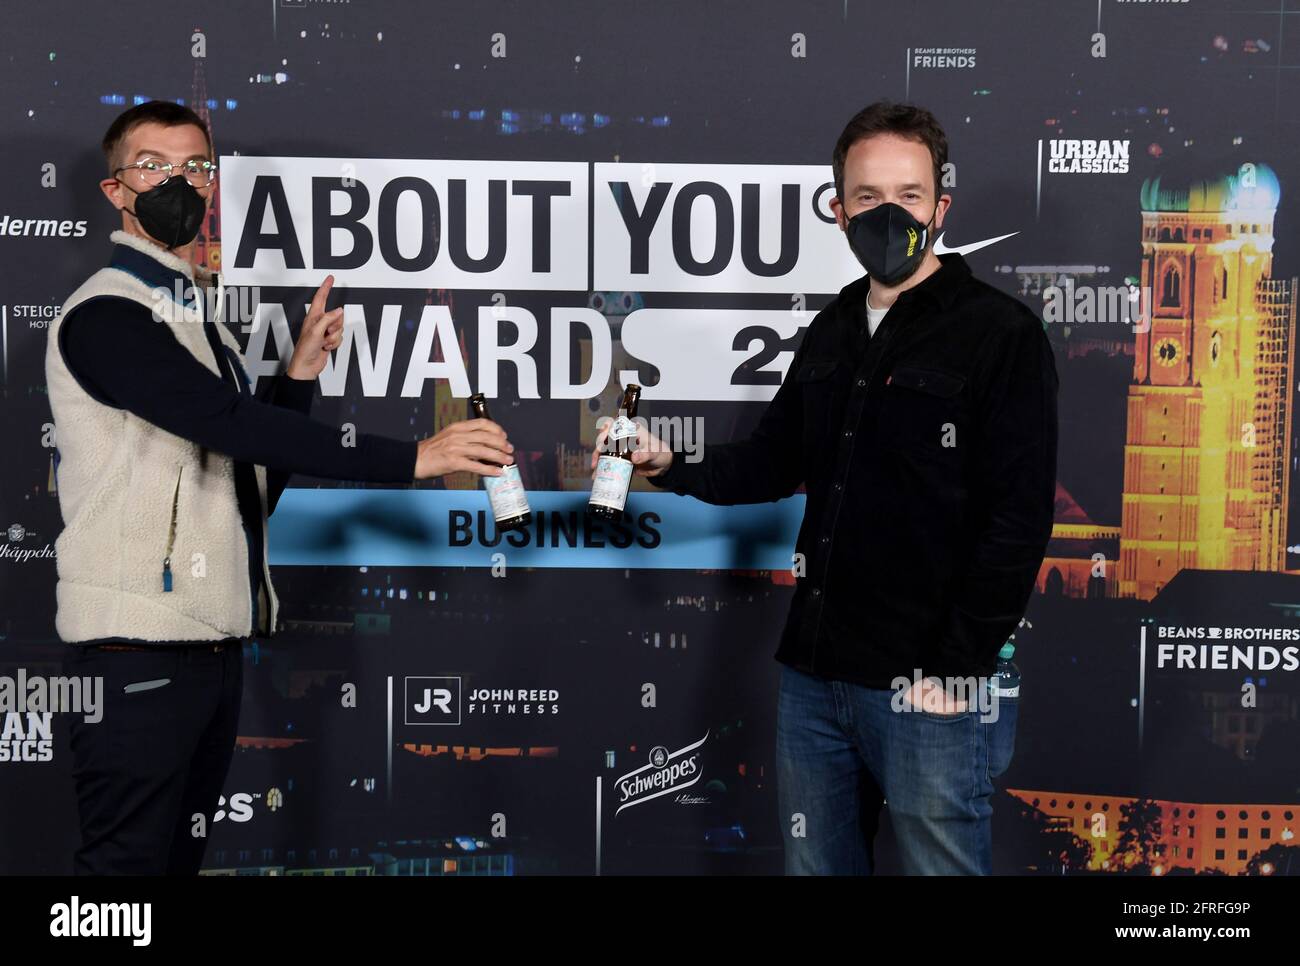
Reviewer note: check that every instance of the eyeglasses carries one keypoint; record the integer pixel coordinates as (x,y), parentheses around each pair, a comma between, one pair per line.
(199,172)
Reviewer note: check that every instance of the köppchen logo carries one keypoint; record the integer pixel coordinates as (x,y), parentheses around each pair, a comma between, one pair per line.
(17,534)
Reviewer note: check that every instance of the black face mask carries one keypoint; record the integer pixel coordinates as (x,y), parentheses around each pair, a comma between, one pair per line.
(170,213)
(889,242)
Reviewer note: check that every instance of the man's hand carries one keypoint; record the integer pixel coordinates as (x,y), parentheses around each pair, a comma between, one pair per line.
(322,333)
(928,695)
(477,445)
(650,458)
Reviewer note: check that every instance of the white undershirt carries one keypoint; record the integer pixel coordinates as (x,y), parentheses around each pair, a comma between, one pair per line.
(874,315)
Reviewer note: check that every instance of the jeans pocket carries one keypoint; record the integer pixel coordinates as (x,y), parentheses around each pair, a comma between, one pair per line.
(1002,735)
(942,716)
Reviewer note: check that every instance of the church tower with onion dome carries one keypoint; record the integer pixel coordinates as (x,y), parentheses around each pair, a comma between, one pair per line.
(1207,452)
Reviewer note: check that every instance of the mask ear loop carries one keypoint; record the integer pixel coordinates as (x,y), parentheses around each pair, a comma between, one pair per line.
(934,214)
(124,209)
(926,230)
(218,314)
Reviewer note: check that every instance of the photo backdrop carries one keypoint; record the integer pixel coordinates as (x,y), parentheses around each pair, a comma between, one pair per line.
(545,201)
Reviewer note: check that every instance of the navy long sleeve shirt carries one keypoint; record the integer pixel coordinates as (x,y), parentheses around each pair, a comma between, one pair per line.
(123,357)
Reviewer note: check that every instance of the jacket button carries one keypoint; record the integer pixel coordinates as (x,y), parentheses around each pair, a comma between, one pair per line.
(848,433)
(839,486)
(816,591)
(861,383)
(826,539)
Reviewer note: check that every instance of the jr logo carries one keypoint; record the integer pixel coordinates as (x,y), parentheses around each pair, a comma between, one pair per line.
(439,697)
(432,701)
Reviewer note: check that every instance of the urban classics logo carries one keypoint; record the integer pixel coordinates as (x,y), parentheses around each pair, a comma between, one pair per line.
(432,701)
(667,772)
(1087,156)
(32,740)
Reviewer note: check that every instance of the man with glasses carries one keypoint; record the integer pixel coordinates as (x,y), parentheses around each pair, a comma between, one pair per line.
(168,467)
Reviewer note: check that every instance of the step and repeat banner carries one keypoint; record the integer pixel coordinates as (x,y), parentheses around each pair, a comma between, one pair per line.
(545,202)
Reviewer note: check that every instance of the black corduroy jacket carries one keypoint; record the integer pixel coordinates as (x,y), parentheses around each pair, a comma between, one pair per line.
(928,452)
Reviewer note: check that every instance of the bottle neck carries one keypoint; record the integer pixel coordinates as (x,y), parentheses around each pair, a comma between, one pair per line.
(623,446)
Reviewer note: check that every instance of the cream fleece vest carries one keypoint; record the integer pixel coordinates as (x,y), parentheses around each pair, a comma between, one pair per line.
(122,482)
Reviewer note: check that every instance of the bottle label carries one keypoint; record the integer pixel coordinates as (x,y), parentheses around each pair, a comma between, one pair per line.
(506,493)
(613,477)
(622,428)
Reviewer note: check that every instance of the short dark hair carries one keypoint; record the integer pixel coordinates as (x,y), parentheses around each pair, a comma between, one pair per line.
(166,113)
(886,117)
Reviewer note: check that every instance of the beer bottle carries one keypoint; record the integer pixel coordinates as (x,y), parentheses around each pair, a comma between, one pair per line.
(614,469)
(505,492)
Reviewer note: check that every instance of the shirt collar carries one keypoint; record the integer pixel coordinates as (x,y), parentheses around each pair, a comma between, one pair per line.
(941,287)
(153,266)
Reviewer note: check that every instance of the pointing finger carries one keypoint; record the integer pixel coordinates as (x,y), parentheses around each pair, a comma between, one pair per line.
(321,296)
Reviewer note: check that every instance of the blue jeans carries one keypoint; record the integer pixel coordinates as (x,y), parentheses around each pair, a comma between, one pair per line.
(843,752)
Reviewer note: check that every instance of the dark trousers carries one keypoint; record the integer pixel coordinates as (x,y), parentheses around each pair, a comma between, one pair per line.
(149,774)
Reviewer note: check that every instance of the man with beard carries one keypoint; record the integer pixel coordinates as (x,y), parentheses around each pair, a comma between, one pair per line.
(920,413)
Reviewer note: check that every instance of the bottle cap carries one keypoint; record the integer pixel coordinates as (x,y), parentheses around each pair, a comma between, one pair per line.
(1008,649)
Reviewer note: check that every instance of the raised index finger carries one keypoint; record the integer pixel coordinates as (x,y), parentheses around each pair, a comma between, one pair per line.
(322,295)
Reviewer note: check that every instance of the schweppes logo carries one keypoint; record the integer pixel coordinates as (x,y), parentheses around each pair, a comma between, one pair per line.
(667,772)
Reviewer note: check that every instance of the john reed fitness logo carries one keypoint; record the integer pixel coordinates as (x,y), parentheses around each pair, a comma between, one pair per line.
(442,701)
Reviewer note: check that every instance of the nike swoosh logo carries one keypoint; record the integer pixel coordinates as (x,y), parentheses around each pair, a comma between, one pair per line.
(940,248)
